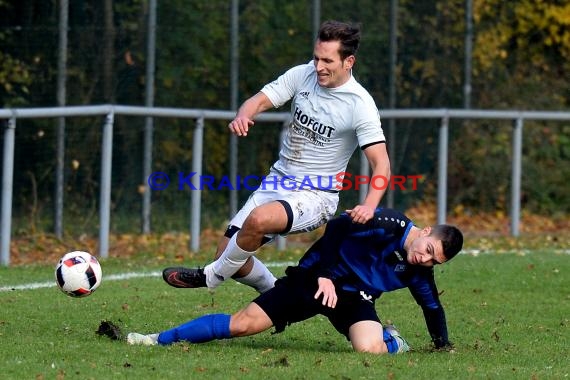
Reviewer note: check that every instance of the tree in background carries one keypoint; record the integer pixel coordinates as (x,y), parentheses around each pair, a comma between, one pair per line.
(520,58)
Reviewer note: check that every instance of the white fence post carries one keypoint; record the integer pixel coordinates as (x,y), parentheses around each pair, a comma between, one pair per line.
(105,191)
(196,195)
(442,171)
(516,177)
(7,182)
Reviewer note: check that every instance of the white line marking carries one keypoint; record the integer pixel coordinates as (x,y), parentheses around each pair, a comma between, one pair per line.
(126,276)
(111,277)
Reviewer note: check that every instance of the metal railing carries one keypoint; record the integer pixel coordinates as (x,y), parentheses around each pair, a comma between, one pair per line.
(109,111)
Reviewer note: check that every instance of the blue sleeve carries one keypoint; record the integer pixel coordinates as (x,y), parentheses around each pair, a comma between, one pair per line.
(329,244)
(386,225)
(424,291)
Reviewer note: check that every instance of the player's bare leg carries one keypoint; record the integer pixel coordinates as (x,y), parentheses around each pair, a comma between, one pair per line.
(370,336)
(232,260)
(270,218)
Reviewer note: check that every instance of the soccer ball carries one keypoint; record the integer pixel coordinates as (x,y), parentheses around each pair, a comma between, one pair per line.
(78,274)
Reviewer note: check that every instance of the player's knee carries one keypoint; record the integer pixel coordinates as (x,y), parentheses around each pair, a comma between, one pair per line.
(255,222)
(370,346)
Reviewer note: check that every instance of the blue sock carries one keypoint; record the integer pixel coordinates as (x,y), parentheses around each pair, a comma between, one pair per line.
(199,330)
(390,342)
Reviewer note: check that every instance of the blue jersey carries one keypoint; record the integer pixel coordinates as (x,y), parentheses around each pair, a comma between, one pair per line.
(371,258)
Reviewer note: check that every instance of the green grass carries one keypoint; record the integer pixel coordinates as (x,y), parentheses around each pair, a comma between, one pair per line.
(508,316)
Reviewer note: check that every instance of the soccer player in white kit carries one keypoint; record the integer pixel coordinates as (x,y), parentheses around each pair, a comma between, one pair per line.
(331,115)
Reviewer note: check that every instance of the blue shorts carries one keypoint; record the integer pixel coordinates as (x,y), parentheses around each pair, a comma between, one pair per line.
(292,300)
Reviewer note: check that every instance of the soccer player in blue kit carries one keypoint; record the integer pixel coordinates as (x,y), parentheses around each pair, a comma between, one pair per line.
(340,276)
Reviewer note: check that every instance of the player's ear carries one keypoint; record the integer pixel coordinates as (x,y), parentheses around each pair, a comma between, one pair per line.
(426,231)
(349,62)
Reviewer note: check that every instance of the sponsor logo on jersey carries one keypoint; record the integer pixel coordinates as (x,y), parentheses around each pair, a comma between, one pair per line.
(400,268)
(323,131)
(310,135)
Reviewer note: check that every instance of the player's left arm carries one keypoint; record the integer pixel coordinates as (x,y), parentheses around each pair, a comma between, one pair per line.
(377,156)
(424,291)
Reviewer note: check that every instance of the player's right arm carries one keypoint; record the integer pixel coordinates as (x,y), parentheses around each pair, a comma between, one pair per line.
(327,290)
(249,109)
(273,94)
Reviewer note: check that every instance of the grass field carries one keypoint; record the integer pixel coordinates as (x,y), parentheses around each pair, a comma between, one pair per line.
(508,315)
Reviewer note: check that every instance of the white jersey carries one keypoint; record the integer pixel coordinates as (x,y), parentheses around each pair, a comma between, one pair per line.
(326,127)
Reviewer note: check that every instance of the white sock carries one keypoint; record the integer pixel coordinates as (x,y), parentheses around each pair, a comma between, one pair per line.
(227,264)
(154,338)
(260,278)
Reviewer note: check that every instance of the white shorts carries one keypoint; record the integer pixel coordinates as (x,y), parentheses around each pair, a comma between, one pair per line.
(310,208)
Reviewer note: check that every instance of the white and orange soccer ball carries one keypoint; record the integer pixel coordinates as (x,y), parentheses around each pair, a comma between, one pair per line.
(78,274)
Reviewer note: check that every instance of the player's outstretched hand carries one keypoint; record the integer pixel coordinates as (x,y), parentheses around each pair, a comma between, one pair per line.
(240,125)
(361,213)
(326,289)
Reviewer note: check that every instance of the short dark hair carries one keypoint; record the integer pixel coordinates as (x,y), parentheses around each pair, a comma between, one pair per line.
(451,239)
(347,34)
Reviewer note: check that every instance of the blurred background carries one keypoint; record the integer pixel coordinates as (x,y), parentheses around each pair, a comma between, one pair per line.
(473,54)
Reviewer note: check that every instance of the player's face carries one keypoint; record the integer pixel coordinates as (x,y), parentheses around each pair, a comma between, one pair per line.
(426,250)
(332,71)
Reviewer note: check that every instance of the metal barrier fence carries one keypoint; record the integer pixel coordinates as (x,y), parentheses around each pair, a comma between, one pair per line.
(109,112)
